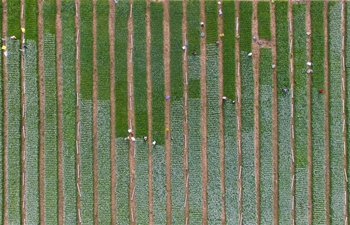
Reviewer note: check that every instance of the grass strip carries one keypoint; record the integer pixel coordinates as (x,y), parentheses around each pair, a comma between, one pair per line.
(159,185)
(194,161)
(211,17)
(347,63)
(31,19)
(264,30)
(229,20)
(245,26)
(336,120)
(193,26)
(13,18)
(157,72)
(32,134)
(14,128)
(284,115)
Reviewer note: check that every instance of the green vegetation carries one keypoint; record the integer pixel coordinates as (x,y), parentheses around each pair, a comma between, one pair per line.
(49,16)
(194,70)
(13,18)
(31,19)
(245,26)
(193,25)
(1,128)
(229,20)
(347,63)
(211,18)
(264,20)
(159,185)
(157,72)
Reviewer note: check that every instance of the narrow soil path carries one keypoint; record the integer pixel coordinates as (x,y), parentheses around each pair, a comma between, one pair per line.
(274,114)
(41,111)
(167,105)
(59,112)
(111,30)
(221,118)
(23,123)
(77,107)
(204,132)
(238,112)
(185,109)
(326,121)
(132,146)
(256,72)
(149,109)
(5,135)
(291,77)
(95,110)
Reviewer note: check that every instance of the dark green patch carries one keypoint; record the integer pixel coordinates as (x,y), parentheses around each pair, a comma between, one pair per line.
(245,26)
(13,18)
(50,16)
(193,26)
(264,20)
(211,17)
(31,17)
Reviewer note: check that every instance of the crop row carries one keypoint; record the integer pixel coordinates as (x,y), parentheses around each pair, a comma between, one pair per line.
(1,131)
(194,68)
(14,126)
(266,171)
(49,14)
(69,104)
(193,25)
(284,115)
(245,26)
(177,172)
(264,20)
(336,121)
(13,18)
(317,106)
(211,17)
(194,160)
(347,63)
(31,19)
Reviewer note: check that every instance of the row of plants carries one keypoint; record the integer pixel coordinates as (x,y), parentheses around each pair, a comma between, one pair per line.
(104,170)
(193,26)
(264,20)
(245,26)
(86,161)
(317,110)
(284,115)
(1,129)
(265,118)
(32,134)
(247,142)
(336,121)
(229,26)
(347,61)
(123,181)
(14,136)
(157,67)
(213,141)
(69,116)
(31,19)
(194,73)
(177,164)
(211,18)
(49,14)
(13,18)
(194,160)
(300,113)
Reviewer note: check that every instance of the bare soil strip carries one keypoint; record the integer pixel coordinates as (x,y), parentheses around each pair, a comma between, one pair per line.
(59,112)
(185,108)
(221,118)
(204,132)
(149,109)
(111,30)
(256,71)
(77,108)
(326,123)
(291,75)
(41,111)
(132,146)
(274,114)
(309,128)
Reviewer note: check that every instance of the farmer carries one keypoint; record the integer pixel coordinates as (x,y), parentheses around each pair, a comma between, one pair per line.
(224,98)
(144,138)
(13,38)
(320,91)
(285,90)
(202,24)
(154,143)
(127,138)
(194,52)
(217,43)
(220,12)
(233,101)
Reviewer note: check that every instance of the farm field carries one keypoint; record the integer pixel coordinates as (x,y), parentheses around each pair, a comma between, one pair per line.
(243,119)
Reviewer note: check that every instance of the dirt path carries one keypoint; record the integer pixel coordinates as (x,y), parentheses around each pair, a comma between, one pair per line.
(291,78)
(309,128)
(149,109)
(274,114)
(132,146)
(111,30)
(59,112)
(256,71)
(204,132)
(326,123)
(77,108)
(41,111)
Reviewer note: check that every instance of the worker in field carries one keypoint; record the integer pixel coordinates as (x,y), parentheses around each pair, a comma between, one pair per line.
(320,91)
(13,38)
(285,90)
(224,98)
(144,138)
(194,52)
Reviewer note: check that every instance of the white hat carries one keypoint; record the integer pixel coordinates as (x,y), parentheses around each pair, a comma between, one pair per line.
(130,130)
(132,139)
(154,143)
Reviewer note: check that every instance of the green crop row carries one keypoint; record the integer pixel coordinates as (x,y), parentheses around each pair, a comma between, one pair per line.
(13,18)
(193,26)
(213,144)
(49,14)
(104,170)
(284,114)
(32,133)
(347,62)
(231,164)
(31,19)
(229,19)
(245,26)
(1,128)
(69,104)
(336,120)
(265,111)
(211,17)
(248,177)
(157,72)
(86,174)
(194,161)
(317,110)
(177,172)
(300,109)
(264,20)
(194,69)
(14,128)
(123,180)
